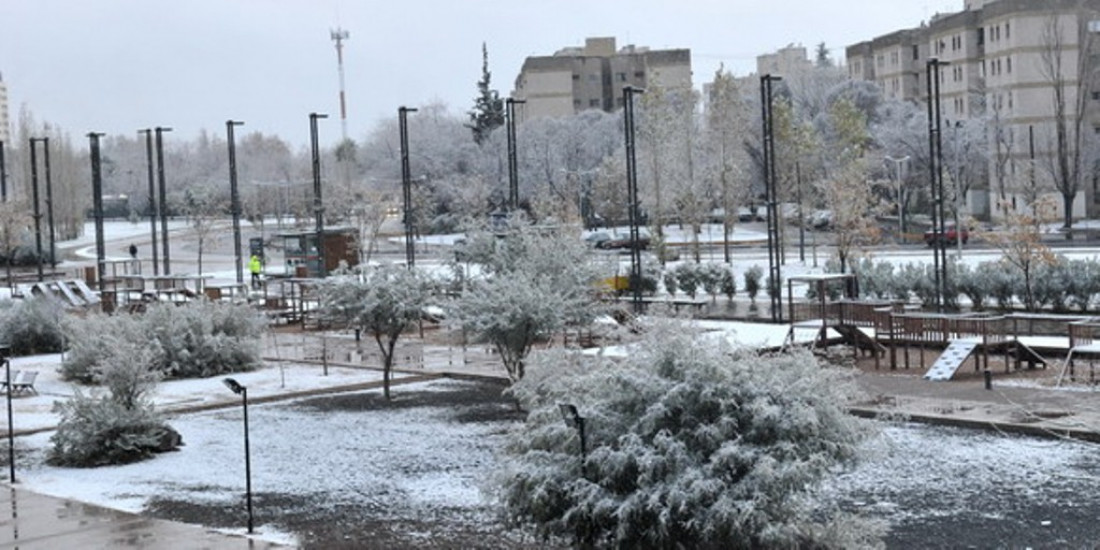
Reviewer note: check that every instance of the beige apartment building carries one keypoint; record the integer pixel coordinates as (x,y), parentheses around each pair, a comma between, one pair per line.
(576,79)
(999,57)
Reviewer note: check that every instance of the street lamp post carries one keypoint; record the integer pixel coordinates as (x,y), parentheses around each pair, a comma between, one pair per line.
(513,172)
(37,209)
(899,165)
(957,175)
(97,209)
(153,210)
(935,148)
(5,350)
(49,200)
(3,176)
(234,196)
(318,204)
(242,391)
(573,419)
(771,197)
(632,197)
(159,132)
(406,184)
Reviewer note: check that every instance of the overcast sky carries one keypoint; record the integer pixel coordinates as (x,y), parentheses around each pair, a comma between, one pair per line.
(118,65)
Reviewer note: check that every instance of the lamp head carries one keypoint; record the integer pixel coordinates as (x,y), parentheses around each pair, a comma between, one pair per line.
(569,413)
(234,386)
(5,351)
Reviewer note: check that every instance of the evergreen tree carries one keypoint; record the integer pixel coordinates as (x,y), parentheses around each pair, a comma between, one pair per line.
(488,112)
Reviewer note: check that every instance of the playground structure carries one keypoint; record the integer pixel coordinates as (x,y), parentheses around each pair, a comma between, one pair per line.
(893,332)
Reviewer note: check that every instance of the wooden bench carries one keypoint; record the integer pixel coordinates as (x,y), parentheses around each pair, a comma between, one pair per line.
(23,382)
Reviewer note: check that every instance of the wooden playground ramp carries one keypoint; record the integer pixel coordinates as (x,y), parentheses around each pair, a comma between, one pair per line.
(74,293)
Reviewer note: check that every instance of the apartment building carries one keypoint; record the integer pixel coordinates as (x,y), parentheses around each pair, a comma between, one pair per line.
(576,79)
(998,58)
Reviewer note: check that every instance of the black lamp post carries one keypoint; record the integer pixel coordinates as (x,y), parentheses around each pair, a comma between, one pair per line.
(3,176)
(513,173)
(97,209)
(37,208)
(318,205)
(573,419)
(49,199)
(234,196)
(153,210)
(4,352)
(243,392)
(633,212)
(159,131)
(935,149)
(771,198)
(406,184)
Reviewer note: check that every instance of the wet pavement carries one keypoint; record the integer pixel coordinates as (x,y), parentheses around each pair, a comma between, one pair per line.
(33,521)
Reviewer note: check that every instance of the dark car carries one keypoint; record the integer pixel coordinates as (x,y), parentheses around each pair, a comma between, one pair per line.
(623,241)
(932,236)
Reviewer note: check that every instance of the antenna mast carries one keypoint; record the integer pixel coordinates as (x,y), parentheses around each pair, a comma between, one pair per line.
(339,36)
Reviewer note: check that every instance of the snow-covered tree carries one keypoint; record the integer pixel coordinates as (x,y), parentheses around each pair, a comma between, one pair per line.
(383,301)
(534,285)
(488,112)
(688,446)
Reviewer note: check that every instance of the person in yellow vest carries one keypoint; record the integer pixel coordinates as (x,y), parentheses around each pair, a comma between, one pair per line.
(255,267)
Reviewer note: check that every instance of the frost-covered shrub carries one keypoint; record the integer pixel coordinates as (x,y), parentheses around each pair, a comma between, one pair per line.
(1084,283)
(710,277)
(876,279)
(728,284)
(1002,283)
(94,341)
(651,273)
(974,284)
(32,326)
(752,281)
(670,279)
(687,276)
(1052,285)
(689,446)
(97,431)
(118,427)
(198,340)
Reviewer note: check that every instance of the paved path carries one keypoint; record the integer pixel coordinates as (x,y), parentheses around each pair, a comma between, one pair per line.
(32,521)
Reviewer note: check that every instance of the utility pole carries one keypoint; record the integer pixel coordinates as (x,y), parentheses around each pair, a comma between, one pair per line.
(234,196)
(159,135)
(338,36)
(153,210)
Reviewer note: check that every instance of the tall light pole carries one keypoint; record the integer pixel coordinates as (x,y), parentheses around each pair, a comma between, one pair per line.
(632,197)
(159,133)
(513,172)
(406,184)
(775,285)
(318,204)
(899,174)
(5,350)
(97,209)
(3,176)
(49,201)
(242,391)
(153,210)
(37,209)
(935,149)
(234,196)
(957,176)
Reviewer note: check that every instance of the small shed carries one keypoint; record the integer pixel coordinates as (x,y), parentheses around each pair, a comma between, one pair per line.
(301,252)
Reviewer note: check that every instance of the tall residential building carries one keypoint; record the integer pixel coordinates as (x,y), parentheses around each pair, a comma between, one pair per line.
(577,79)
(5,122)
(1000,58)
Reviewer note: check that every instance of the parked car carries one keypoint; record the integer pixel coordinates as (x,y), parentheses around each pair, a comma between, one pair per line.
(932,236)
(752,214)
(597,238)
(623,241)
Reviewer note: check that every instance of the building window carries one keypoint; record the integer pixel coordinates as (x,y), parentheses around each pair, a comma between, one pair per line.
(1008,65)
(592,77)
(1096,96)
(576,104)
(639,74)
(622,77)
(576,76)
(1008,31)
(595,103)
(981,36)
(916,52)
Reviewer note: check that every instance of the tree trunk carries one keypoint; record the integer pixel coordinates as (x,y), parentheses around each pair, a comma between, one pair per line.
(1067,214)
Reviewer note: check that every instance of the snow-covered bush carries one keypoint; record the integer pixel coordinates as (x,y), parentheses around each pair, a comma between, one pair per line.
(197,340)
(710,277)
(975,285)
(688,446)
(1084,283)
(32,326)
(118,427)
(1052,285)
(876,279)
(752,281)
(728,284)
(687,278)
(671,281)
(1002,283)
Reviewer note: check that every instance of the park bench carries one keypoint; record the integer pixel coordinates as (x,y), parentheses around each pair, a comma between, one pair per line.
(23,382)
